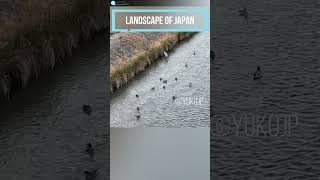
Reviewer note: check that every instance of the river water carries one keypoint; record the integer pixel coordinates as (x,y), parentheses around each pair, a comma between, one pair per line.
(157,109)
(43,131)
(283,38)
(159,153)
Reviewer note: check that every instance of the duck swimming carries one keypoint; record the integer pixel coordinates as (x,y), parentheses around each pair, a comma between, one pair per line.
(160,79)
(165,81)
(90,150)
(212,54)
(243,12)
(137,96)
(174,98)
(186,65)
(190,84)
(138,109)
(176,78)
(87,109)
(257,74)
(164,87)
(152,89)
(91,175)
(194,53)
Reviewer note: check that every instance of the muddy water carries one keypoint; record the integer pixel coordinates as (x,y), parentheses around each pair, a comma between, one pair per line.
(157,107)
(43,131)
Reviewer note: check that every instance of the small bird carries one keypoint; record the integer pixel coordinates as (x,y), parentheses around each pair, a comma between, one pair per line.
(87,109)
(176,78)
(165,81)
(174,97)
(152,88)
(137,96)
(212,54)
(164,87)
(165,54)
(90,150)
(138,109)
(91,175)
(186,65)
(190,84)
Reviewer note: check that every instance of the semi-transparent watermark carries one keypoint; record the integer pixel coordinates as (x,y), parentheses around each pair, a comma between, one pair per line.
(189,101)
(254,124)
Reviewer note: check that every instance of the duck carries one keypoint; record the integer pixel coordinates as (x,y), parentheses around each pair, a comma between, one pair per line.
(87,109)
(174,97)
(194,53)
(165,81)
(212,54)
(165,54)
(138,109)
(164,87)
(90,150)
(176,78)
(186,65)
(91,175)
(160,79)
(190,84)
(138,117)
(257,74)
(243,12)
(152,89)
(137,96)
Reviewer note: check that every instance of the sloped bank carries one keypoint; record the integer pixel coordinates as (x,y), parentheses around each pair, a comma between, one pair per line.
(131,53)
(34,45)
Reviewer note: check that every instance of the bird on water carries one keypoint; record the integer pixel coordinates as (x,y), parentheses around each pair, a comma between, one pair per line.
(257,74)
(91,175)
(90,150)
(87,109)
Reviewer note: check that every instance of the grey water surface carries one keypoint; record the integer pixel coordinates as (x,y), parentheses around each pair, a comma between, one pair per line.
(43,131)
(157,108)
(282,37)
(159,153)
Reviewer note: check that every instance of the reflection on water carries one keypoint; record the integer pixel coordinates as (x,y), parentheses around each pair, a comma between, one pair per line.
(157,108)
(43,131)
(159,153)
(283,38)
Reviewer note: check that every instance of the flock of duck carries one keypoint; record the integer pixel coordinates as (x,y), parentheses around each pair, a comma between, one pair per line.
(258,74)
(89,174)
(165,81)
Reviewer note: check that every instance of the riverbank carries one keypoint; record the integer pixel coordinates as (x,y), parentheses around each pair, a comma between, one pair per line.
(37,35)
(131,53)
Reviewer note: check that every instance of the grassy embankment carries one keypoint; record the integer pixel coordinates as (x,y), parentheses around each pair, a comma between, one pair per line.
(120,74)
(40,34)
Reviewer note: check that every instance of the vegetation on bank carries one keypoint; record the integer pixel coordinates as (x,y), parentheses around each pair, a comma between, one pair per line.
(123,72)
(36,42)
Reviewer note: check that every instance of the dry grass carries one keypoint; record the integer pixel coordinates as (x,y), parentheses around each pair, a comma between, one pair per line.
(40,34)
(123,72)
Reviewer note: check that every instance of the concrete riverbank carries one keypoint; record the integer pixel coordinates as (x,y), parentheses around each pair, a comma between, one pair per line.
(131,53)
(38,34)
